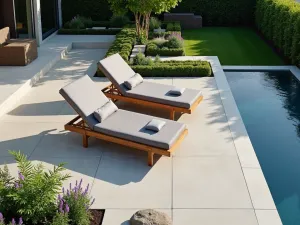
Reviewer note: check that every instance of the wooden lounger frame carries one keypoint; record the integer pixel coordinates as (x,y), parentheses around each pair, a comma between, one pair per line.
(78,125)
(113,93)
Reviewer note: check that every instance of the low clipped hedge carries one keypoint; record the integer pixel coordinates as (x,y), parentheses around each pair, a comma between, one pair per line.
(173,69)
(88,31)
(173,26)
(165,52)
(154,50)
(279,22)
(123,43)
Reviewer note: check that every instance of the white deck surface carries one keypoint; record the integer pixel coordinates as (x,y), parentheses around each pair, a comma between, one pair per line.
(209,180)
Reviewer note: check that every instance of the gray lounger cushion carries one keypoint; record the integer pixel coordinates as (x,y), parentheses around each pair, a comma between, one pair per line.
(177,91)
(105,111)
(155,125)
(118,71)
(131,126)
(160,93)
(85,97)
(135,80)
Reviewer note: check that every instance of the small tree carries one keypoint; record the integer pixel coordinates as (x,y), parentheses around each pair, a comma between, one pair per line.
(142,10)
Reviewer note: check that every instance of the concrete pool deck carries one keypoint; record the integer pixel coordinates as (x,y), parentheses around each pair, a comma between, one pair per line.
(213,178)
(16,81)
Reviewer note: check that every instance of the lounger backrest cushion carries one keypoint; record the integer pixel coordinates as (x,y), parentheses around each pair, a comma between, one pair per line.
(117,71)
(85,97)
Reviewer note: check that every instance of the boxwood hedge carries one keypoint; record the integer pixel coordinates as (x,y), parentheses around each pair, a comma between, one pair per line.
(279,21)
(173,69)
(123,43)
(165,51)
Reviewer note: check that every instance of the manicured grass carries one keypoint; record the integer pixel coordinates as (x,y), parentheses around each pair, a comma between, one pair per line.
(233,46)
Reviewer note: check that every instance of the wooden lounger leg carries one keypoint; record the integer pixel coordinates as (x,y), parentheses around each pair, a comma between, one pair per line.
(172,114)
(85,140)
(150,158)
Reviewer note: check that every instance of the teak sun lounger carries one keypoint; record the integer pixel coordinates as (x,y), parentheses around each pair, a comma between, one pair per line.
(146,93)
(121,127)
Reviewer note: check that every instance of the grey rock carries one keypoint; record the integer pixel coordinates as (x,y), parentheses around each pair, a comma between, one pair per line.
(150,217)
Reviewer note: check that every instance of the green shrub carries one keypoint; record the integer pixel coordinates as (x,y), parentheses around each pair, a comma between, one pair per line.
(123,43)
(87,21)
(185,69)
(76,23)
(279,21)
(119,21)
(60,218)
(78,201)
(33,193)
(159,42)
(174,42)
(141,59)
(172,69)
(154,23)
(165,51)
(170,27)
(88,32)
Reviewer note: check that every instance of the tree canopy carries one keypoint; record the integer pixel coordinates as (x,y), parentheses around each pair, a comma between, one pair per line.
(142,10)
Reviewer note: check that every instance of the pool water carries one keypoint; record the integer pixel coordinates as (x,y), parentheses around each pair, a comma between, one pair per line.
(269,103)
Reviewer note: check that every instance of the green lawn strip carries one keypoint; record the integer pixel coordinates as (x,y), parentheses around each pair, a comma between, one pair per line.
(233,46)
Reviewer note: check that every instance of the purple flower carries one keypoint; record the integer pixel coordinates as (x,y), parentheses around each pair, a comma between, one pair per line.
(17,185)
(68,192)
(1,217)
(86,190)
(13,222)
(93,202)
(61,204)
(20,221)
(76,183)
(70,187)
(80,183)
(21,177)
(63,190)
(59,198)
(67,209)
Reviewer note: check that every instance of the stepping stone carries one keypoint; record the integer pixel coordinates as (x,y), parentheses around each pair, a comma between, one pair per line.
(139,48)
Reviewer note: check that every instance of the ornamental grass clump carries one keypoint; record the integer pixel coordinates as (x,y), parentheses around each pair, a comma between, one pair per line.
(79,202)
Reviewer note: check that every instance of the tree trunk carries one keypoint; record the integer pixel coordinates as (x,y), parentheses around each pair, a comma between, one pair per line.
(138,27)
(147,24)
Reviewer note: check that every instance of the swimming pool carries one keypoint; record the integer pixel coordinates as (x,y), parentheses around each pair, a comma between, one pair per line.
(269,103)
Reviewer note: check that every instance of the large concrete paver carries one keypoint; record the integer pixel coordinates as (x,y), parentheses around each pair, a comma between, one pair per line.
(209,182)
(214,217)
(125,181)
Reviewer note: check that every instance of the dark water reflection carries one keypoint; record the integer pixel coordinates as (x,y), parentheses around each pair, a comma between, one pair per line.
(269,103)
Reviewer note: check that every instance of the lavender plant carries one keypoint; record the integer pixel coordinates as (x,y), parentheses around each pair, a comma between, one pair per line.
(62,215)
(33,193)
(1,219)
(79,202)
(13,221)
